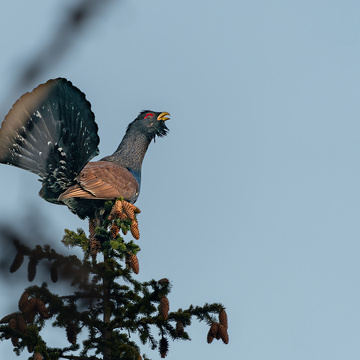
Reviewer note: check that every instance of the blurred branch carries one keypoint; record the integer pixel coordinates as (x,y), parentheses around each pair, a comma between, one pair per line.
(64,37)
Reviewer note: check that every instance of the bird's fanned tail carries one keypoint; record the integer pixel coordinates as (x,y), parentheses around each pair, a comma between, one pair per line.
(52,133)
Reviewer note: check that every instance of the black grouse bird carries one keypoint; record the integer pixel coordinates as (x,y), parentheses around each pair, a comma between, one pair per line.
(51,132)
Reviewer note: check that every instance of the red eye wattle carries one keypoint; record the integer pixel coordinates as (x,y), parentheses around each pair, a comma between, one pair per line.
(149,114)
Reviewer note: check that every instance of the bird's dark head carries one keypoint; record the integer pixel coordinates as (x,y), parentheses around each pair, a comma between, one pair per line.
(151,123)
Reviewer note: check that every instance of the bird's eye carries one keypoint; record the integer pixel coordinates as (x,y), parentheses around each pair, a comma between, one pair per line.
(148,115)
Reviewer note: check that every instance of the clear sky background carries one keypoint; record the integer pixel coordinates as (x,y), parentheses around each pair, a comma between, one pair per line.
(252,200)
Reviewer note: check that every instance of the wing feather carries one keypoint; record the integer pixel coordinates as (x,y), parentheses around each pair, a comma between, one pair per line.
(103,180)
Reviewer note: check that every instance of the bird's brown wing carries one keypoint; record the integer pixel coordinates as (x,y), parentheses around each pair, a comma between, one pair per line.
(103,180)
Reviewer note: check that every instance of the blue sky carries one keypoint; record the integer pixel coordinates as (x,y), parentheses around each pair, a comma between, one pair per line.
(256,185)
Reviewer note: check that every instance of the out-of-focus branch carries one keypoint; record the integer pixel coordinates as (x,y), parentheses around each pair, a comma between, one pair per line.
(66,34)
(68,31)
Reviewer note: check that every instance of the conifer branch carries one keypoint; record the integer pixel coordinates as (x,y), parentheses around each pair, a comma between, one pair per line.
(103,299)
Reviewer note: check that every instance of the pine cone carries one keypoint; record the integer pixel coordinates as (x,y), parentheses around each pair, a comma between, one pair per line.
(30,310)
(41,308)
(128,209)
(114,230)
(13,325)
(38,356)
(32,268)
(54,275)
(164,307)
(17,262)
(71,332)
(95,246)
(15,341)
(179,331)
(92,228)
(133,263)
(116,211)
(163,347)
(163,281)
(223,318)
(21,324)
(223,334)
(214,329)
(23,301)
(210,337)
(7,318)
(134,228)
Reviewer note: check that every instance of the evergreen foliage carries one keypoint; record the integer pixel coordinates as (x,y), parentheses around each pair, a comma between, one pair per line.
(106,303)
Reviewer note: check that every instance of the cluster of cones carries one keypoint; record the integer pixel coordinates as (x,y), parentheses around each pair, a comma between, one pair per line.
(122,210)
(218,330)
(19,259)
(29,308)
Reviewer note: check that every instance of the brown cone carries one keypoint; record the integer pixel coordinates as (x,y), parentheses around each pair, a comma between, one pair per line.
(179,331)
(30,310)
(32,268)
(92,228)
(134,228)
(38,356)
(116,210)
(23,300)
(21,324)
(95,246)
(17,262)
(163,281)
(29,306)
(41,308)
(54,275)
(223,318)
(210,337)
(214,329)
(164,307)
(7,318)
(223,334)
(71,333)
(13,325)
(133,263)
(128,209)
(163,347)
(114,230)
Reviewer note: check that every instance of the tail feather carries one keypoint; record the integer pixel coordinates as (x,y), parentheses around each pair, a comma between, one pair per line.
(52,133)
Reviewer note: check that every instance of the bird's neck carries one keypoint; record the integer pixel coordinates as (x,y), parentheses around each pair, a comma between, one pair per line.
(131,151)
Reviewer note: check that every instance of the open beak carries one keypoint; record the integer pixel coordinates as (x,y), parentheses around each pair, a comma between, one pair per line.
(164,116)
